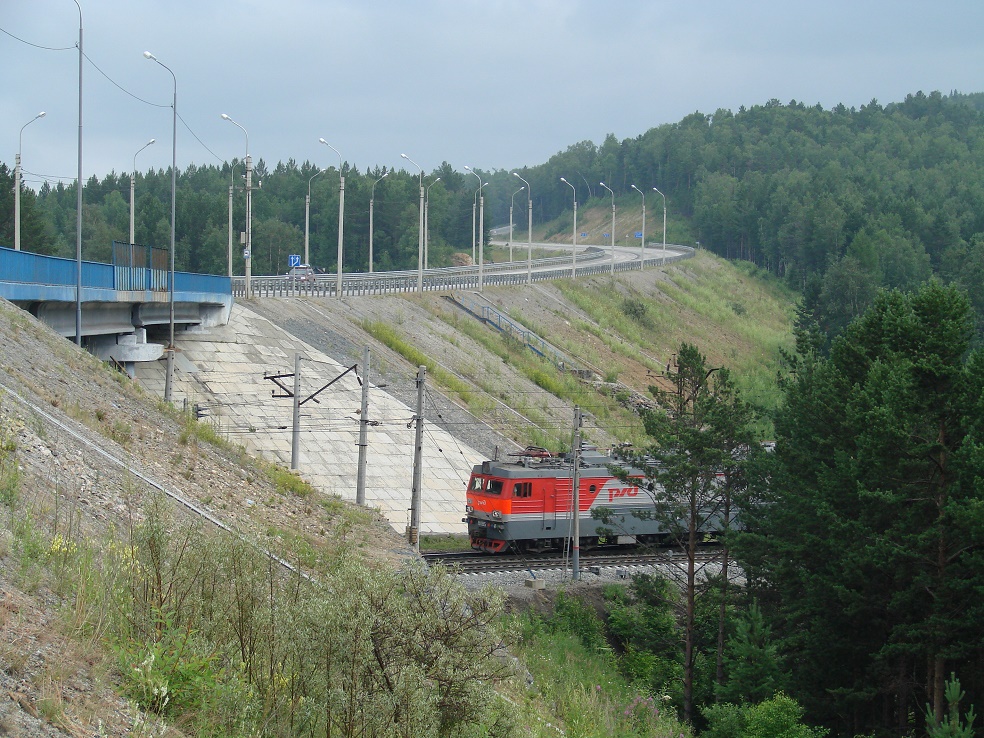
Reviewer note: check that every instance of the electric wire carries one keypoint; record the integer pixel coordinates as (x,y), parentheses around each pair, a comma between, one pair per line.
(119,87)
(38,46)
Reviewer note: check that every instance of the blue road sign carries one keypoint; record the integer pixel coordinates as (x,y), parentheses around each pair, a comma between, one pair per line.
(605,235)
(638,234)
(294,260)
(584,234)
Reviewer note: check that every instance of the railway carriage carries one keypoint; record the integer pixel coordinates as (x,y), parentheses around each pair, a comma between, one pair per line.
(525,503)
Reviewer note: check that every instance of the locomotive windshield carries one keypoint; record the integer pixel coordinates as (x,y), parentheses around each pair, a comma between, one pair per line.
(488,486)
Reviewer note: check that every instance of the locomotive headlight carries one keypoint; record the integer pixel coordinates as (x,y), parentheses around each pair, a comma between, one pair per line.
(496,514)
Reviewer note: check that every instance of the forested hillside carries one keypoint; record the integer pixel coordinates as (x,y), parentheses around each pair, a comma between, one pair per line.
(838,202)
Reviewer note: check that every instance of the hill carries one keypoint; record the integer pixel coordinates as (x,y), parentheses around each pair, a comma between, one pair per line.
(624,330)
(86,454)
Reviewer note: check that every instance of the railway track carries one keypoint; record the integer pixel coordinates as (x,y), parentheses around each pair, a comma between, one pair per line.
(474,562)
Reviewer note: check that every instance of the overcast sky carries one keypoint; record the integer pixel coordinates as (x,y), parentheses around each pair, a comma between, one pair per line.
(496,84)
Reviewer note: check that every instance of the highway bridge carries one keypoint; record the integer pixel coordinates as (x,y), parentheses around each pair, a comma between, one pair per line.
(590,260)
(125,305)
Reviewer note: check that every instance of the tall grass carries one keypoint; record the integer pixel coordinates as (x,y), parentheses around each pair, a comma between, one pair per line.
(576,682)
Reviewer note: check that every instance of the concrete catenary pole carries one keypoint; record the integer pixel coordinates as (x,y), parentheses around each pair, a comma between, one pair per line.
(360,483)
(576,506)
(413,535)
(295,437)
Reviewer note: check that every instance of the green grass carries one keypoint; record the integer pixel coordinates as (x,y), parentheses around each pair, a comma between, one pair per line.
(444,543)
(388,336)
(545,375)
(735,315)
(579,687)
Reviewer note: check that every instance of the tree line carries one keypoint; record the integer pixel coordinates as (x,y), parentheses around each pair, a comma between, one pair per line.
(279,195)
(837,202)
(859,533)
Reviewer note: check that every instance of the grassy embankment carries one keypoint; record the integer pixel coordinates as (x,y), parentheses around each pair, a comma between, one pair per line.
(737,315)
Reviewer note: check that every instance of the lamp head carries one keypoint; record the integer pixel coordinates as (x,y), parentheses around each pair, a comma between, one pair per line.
(225,117)
(148,55)
(153,140)
(467,168)
(321,140)
(41,114)
(404,156)
(563,180)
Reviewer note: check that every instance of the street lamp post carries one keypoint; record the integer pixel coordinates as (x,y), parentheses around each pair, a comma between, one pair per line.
(481,228)
(642,264)
(232,187)
(78,205)
(474,209)
(341,217)
(174,174)
(420,231)
(307,218)
(17,182)
(529,229)
(248,248)
(574,234)
(664,221)
(372,200)
(613,223)
(481,237)
(133,188)
(511,201)
(427,199)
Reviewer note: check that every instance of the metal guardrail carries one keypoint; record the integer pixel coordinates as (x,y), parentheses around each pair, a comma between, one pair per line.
(594,260)
(500,321)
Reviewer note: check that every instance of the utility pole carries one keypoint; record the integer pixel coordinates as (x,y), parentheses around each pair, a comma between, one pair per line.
(413,534)
(295,437)
(576,489)
(360,484)
(295,393)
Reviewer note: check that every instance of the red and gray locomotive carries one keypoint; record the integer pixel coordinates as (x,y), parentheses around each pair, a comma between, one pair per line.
(526,503)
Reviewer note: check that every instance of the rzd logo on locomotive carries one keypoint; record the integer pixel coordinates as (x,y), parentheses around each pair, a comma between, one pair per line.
(614,492)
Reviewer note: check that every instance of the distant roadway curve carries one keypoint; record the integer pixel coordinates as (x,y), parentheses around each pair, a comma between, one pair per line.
(591,260)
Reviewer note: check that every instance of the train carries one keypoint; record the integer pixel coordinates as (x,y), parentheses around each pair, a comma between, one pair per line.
(524,503)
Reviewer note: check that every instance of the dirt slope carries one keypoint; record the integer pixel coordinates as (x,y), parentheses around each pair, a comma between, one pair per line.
(82,452)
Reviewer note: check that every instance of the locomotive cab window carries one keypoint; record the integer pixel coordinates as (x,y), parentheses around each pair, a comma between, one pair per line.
(488,486)
(523,489)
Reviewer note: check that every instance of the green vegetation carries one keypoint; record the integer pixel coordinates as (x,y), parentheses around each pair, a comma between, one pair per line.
(391,338)
(864,528)
(576,680)
(441,543)
(549,378)
(210,634)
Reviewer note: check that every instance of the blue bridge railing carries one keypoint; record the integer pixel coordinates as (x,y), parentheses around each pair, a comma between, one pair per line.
(19,270)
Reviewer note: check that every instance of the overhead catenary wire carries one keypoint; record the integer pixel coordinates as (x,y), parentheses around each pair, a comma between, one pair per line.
(118,86)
